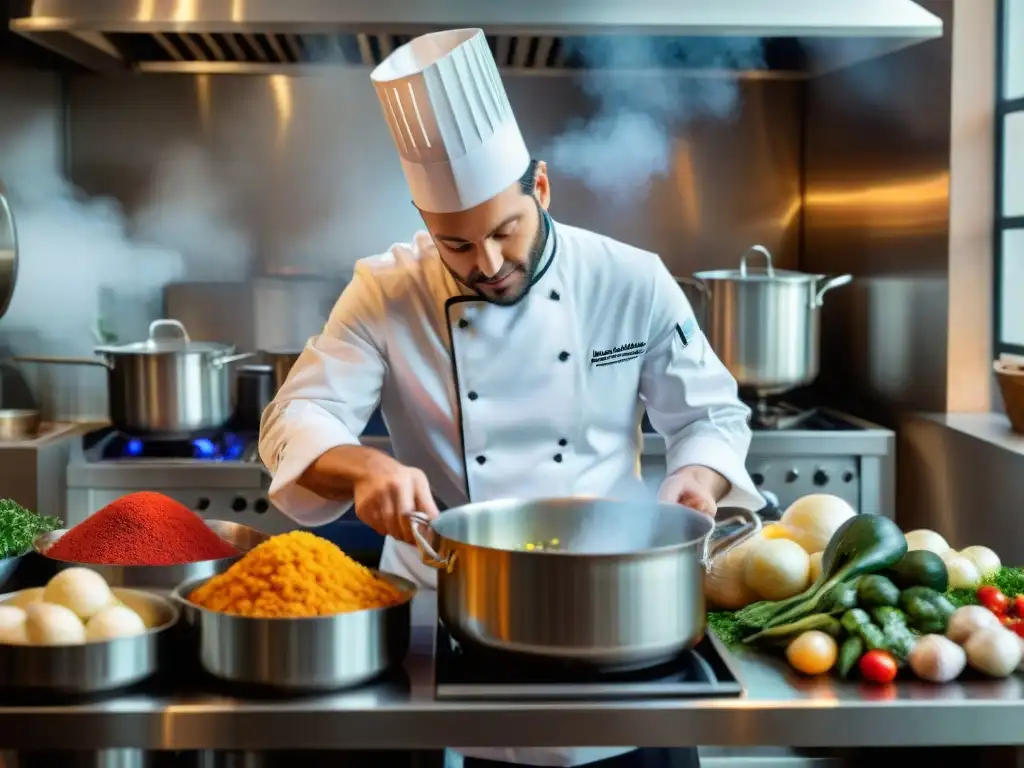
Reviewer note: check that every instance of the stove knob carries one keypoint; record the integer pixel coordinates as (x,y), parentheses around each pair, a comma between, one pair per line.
(821,477)
(202,504)
(792,476)
(758,479)
(239,504)
(260,506)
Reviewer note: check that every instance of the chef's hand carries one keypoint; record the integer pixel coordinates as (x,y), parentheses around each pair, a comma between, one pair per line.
(387,492)
(696,487)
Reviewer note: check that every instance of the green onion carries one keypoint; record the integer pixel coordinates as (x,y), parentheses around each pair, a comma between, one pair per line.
(19,528)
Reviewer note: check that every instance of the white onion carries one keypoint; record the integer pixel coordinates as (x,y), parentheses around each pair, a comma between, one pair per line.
(812,520)
(724,585)
(963,574)
(777,569)
(969,619)
(985,560)
(925,539)
(994,652)
(937,659)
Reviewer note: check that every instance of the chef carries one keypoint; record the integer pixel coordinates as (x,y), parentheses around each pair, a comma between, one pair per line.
(511,355)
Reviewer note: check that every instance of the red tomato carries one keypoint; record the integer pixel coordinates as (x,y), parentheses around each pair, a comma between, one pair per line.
(1009,621)
(1018,627)
(993,599)
(1018,605)
(877,666)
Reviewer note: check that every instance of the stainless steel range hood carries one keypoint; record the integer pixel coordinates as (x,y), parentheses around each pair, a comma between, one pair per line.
(792,38)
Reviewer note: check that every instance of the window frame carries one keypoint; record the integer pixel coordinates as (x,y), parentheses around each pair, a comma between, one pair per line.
(1002,224)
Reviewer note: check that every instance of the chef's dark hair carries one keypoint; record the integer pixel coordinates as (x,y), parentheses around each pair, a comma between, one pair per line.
(528,181)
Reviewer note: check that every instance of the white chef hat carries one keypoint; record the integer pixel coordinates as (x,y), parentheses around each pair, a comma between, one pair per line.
(451,121)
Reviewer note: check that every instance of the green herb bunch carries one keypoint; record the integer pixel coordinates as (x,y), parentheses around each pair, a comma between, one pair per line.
(19,527)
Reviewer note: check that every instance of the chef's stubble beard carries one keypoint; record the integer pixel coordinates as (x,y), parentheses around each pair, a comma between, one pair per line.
(536,253)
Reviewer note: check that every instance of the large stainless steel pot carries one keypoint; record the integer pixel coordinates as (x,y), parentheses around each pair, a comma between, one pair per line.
(165,385)
(282,361)
(8,254)
(763,322)
(625,589)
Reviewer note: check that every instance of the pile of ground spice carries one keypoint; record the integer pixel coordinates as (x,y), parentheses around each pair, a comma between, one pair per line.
(144,528)
(295,575)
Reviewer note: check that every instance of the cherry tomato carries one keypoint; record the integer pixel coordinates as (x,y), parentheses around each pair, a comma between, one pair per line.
(1018,605)
(877,666)
(1018,627)
(993,599)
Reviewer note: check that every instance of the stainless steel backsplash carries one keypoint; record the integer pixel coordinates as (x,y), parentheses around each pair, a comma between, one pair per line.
(877,205)
(242,181)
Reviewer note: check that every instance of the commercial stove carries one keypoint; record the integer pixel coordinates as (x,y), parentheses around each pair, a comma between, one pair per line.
(471,673)
(798,449)
(218,475)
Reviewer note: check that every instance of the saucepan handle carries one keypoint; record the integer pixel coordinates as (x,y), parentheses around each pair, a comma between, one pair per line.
(826,285)
(699,285)
(220,362)
(714,548)
(418,522)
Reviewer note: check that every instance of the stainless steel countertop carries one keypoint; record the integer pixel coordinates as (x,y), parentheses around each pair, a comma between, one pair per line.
(779,709)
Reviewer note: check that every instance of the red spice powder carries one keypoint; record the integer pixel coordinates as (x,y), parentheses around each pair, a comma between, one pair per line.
(145,528)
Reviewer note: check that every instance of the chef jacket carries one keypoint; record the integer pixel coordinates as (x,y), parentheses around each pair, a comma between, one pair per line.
(539,399)
(543,398)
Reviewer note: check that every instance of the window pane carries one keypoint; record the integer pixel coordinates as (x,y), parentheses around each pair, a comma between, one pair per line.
(1013,165)
(1014,46)
(1011,329)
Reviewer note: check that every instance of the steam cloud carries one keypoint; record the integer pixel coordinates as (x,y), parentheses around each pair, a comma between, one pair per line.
(78,263)
(629,139)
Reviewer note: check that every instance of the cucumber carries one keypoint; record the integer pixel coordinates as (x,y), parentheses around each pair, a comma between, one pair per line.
(920,568)
(874,591)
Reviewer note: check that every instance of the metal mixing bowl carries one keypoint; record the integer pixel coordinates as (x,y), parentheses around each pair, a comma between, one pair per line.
(7,568)
(304,654)
(91,667)
(163,577)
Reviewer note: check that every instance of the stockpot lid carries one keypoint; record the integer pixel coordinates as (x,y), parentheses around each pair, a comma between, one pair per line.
(765,274)
(156,344)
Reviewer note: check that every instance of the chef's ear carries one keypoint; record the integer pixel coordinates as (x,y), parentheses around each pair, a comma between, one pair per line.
(542,185)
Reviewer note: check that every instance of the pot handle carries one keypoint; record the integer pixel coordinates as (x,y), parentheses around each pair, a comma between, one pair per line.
(220,362)
(713,551)
(693,282)
(768,268)
(827,284)
(417,522)
(100,361)
(175,324)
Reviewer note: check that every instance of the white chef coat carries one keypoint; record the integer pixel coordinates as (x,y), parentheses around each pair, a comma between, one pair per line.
(539,399)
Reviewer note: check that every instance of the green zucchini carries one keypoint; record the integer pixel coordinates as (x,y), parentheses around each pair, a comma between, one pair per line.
(920,568)
(874,591)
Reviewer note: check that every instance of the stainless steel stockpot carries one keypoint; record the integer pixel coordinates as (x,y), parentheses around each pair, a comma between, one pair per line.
(317,653)
(164,385)
(624,587)
(763,322)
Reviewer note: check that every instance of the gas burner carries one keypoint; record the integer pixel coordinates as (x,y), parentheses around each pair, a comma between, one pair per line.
(472,673)
(769,416)
(765,415)
(113,445)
